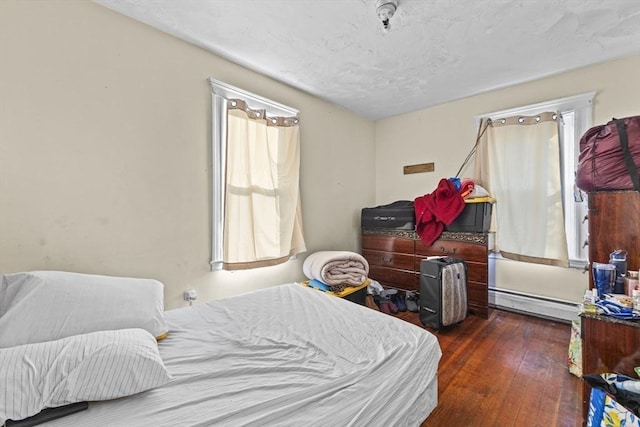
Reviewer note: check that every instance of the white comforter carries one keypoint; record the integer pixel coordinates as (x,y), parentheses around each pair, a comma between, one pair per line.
(287,355)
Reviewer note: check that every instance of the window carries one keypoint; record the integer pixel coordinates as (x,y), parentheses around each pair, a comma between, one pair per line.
(575,120)
(256,215)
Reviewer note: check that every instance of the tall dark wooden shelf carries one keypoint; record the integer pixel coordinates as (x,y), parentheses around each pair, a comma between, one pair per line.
(611,345)
(614,223)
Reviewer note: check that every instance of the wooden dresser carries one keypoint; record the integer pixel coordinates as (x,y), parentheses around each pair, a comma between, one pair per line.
(394,260)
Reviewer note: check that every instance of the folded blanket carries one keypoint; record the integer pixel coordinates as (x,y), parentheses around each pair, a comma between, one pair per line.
(467,186)
(478,192)
(336,268)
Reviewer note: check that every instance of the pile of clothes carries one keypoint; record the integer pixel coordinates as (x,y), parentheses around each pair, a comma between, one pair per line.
(336,271)
(435,210)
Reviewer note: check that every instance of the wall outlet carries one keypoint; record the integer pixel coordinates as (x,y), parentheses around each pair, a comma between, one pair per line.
(190,295)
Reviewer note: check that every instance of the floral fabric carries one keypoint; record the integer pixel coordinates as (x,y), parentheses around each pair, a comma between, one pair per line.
(606,412)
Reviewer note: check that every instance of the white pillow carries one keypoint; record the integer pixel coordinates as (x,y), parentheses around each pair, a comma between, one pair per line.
(41,306)
(97,366)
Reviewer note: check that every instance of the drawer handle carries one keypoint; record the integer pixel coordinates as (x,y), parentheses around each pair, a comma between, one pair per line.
(442,249)
(387,259)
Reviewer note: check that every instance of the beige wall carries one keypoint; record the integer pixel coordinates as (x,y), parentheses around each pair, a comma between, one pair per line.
(104,152)
(445,134)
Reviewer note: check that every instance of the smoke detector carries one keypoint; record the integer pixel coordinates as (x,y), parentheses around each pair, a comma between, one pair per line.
(385,10)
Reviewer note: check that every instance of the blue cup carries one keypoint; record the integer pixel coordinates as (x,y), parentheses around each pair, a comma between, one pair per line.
(604,278)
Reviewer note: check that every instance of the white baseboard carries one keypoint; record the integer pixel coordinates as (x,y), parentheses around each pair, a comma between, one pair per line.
(533,305)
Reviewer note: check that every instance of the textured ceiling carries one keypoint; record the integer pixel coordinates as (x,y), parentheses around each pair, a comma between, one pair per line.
(435,51)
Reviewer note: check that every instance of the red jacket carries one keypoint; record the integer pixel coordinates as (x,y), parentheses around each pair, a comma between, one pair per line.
(435,210)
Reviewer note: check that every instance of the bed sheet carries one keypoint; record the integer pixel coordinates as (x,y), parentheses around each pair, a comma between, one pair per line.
(286,355)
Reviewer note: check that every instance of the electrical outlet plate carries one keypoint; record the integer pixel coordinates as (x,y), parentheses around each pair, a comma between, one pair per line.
(190,295)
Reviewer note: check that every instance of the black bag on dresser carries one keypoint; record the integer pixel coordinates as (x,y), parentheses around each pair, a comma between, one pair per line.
(443,291)
(398,215)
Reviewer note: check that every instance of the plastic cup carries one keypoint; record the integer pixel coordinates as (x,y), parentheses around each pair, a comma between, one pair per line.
(604,278)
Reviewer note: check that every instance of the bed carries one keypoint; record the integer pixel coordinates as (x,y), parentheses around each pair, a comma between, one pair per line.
(285,355)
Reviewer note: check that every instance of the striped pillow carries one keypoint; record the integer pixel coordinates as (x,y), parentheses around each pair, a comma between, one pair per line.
(95,366)
(39,306)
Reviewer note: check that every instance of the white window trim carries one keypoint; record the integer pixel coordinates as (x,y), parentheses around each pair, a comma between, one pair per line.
(583,103)
(575,102)
(220,93)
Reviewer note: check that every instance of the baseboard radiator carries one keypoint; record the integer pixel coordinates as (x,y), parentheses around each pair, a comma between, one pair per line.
(534,305)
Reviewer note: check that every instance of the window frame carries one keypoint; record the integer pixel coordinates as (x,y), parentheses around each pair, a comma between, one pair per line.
(581,107)
(220,94)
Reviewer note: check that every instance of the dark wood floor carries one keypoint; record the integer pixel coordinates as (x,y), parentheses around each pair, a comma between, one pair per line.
(509,370)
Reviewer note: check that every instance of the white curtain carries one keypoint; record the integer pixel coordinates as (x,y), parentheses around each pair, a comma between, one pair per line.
(519,164)
(263,219)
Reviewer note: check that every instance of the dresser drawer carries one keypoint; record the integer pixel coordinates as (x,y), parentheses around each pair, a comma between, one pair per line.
(388,244)
(477,294)
(389,259)
(403,279)
(464,250)
(477,272)
(479,310)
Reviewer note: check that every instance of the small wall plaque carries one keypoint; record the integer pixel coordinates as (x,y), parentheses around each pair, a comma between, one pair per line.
(422,167)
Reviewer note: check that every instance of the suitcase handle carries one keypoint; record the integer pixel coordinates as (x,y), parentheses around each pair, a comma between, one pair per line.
(384,218)
(443,250)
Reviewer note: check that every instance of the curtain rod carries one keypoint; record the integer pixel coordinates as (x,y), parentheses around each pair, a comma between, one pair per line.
(228,91)
(526,120)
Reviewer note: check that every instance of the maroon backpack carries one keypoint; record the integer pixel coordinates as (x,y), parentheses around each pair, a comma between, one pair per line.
(610,156)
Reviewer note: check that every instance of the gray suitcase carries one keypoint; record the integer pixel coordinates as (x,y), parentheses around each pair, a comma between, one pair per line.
(443,291)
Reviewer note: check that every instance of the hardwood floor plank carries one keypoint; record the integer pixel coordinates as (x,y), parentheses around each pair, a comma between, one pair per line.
(537,404)
(508,370)
(568,409)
